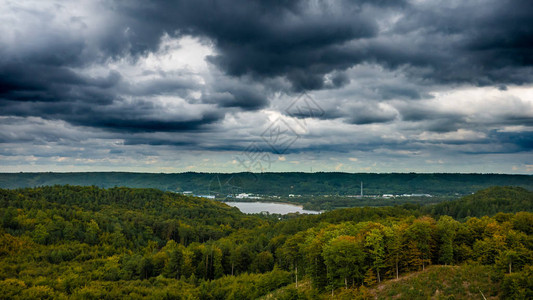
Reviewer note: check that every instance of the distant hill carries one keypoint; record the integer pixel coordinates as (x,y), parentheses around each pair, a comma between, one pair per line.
(278,183)
(487,202)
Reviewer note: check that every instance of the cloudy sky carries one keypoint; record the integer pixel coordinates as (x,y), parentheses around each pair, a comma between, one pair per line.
(240,85)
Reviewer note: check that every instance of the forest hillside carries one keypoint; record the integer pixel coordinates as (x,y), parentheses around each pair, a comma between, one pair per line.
(76,242)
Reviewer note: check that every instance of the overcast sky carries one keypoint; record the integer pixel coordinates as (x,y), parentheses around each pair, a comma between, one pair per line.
(241,85)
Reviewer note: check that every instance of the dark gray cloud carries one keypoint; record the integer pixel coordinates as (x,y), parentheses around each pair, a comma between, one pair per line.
(431,119)
(484,43)
(142,116)
(372,64)
(134,123)
(518,141)
(174,86)
(369,113)
(231,93)
(476,43)
(43,83)
(295,39)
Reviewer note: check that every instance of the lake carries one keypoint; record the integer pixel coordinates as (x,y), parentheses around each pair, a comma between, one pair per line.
(273,208)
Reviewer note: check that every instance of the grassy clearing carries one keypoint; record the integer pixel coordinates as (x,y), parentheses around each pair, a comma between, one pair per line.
(442,282)
(436,282)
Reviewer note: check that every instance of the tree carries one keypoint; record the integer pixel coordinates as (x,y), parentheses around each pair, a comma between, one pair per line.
(374,240)
(316,268)
(370,277)
(173,269)
(413,256)
(393,245)
(446,227)
(242,257)
(217,270)
(145,268)
(40,234)
(345,258)
(91,233)
(523,221)
(487,249)
(118,239)
(263,262)
(421,233)
(290,254)
(508,257)
(9,219)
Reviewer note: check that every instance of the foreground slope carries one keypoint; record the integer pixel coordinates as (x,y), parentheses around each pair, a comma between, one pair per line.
(435,282)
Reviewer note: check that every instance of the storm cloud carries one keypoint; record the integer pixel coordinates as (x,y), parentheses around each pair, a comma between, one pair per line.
(390,78)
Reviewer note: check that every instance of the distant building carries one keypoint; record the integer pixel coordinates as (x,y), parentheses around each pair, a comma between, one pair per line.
(246,196)
(416,195)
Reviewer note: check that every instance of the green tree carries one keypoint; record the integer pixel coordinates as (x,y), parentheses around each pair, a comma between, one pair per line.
(40,234)
(316,268)
(290,254)
(173,268)
(511,258)
(263,262)
(374,240)
(446,227)
(345,258)
(91,233)
(9,219)
(393,244)
(421,232)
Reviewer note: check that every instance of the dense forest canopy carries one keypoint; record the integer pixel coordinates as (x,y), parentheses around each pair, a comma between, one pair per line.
(486,202)
(94,243)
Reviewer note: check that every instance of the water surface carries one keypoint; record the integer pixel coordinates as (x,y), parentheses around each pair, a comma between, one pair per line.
(273,208)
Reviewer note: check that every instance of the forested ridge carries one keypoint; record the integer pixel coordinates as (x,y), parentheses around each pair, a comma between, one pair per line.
(94,243)
(280,184)
(486,202)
